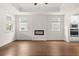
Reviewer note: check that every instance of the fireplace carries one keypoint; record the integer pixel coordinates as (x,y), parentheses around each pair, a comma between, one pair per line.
(38,32)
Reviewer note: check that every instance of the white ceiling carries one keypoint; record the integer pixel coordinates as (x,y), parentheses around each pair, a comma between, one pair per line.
(42,7)
(30,7)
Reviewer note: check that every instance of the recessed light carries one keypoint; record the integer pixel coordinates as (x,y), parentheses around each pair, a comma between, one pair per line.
(35,3)
(46,3)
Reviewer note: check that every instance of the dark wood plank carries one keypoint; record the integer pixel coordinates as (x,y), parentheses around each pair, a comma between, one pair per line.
(40,48)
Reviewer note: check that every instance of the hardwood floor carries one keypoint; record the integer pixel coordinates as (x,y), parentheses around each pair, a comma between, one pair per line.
(40,48)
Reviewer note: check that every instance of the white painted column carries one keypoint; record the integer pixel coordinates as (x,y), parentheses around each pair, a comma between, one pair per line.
(67,26)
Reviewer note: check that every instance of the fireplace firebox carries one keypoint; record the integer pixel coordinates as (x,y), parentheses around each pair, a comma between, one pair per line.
(38,32)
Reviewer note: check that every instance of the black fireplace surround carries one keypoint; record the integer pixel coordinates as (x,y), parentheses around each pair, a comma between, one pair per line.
(38,32)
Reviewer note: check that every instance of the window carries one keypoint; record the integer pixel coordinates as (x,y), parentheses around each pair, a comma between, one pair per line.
(23,25)
(9,24)
(56,26)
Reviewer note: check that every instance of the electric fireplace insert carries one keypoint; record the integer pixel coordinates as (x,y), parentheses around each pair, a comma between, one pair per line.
(38,32)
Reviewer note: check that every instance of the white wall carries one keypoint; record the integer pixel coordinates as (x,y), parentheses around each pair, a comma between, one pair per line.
(6,10)
(35,22)
(55,35)
(40,22)
(68,10)
(67,26)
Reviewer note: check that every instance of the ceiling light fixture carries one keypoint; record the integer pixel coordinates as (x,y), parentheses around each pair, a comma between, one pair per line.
(46,3)
(35,3)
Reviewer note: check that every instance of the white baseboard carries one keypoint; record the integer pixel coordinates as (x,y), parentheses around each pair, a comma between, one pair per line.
(6,43)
